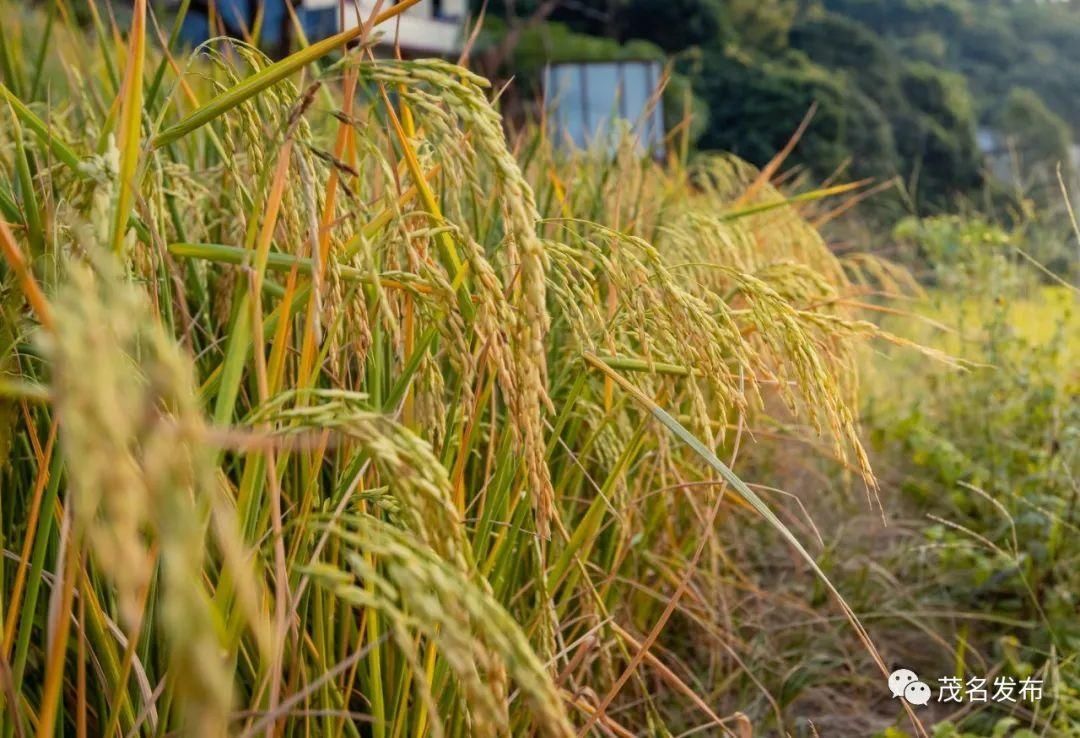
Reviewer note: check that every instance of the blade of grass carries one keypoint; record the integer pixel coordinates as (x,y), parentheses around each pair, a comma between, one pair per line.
(131,110)
(7,58)
(159,73)
(23,172)
(312,319)
(14,389)
(42,541)
(44,470)
(59,149)
(277,261)
(103,43)
(8,209)
(797,199)
(749,496)
(58,643)
(43,49)
(34,296)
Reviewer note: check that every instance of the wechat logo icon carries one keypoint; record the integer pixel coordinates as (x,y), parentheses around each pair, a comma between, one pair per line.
(905,684)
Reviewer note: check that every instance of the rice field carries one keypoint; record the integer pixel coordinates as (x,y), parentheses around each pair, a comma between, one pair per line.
(327,409)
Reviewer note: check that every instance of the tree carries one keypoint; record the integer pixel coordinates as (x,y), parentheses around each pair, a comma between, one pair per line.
(674,25)
(863,55)
(761,25)
(1041,138)
(755,107)
(935,136)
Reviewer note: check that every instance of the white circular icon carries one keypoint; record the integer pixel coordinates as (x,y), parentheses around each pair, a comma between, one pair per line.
(899,681)
(917,693)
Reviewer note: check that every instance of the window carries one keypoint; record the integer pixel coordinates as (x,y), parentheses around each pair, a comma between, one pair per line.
(590,103)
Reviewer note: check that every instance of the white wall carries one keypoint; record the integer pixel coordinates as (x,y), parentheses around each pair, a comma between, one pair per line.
(417,30)
(455,8)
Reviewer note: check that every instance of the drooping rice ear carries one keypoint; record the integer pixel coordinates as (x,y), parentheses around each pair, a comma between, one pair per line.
(140,472)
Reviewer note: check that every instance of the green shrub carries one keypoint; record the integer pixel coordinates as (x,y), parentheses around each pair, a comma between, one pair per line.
(991,453)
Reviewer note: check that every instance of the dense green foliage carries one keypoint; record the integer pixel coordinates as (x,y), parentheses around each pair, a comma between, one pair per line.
(901,85)
(990,457)
(752,107)
(1036,135)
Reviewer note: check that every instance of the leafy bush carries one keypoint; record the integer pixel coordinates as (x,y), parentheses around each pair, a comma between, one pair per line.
(991,453)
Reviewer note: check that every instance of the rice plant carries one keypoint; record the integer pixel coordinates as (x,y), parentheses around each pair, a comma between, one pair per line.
(326,410)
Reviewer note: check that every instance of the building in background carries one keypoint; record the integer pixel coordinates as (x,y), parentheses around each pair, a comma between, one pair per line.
(592,104)
(431,27)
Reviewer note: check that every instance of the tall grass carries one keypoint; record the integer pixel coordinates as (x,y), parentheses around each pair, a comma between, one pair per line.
(327,411)
(991,461)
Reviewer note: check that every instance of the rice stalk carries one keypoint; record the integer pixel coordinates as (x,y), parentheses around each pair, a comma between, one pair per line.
(341,345)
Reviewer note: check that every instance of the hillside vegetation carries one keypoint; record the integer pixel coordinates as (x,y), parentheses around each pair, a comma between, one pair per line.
(901,85)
